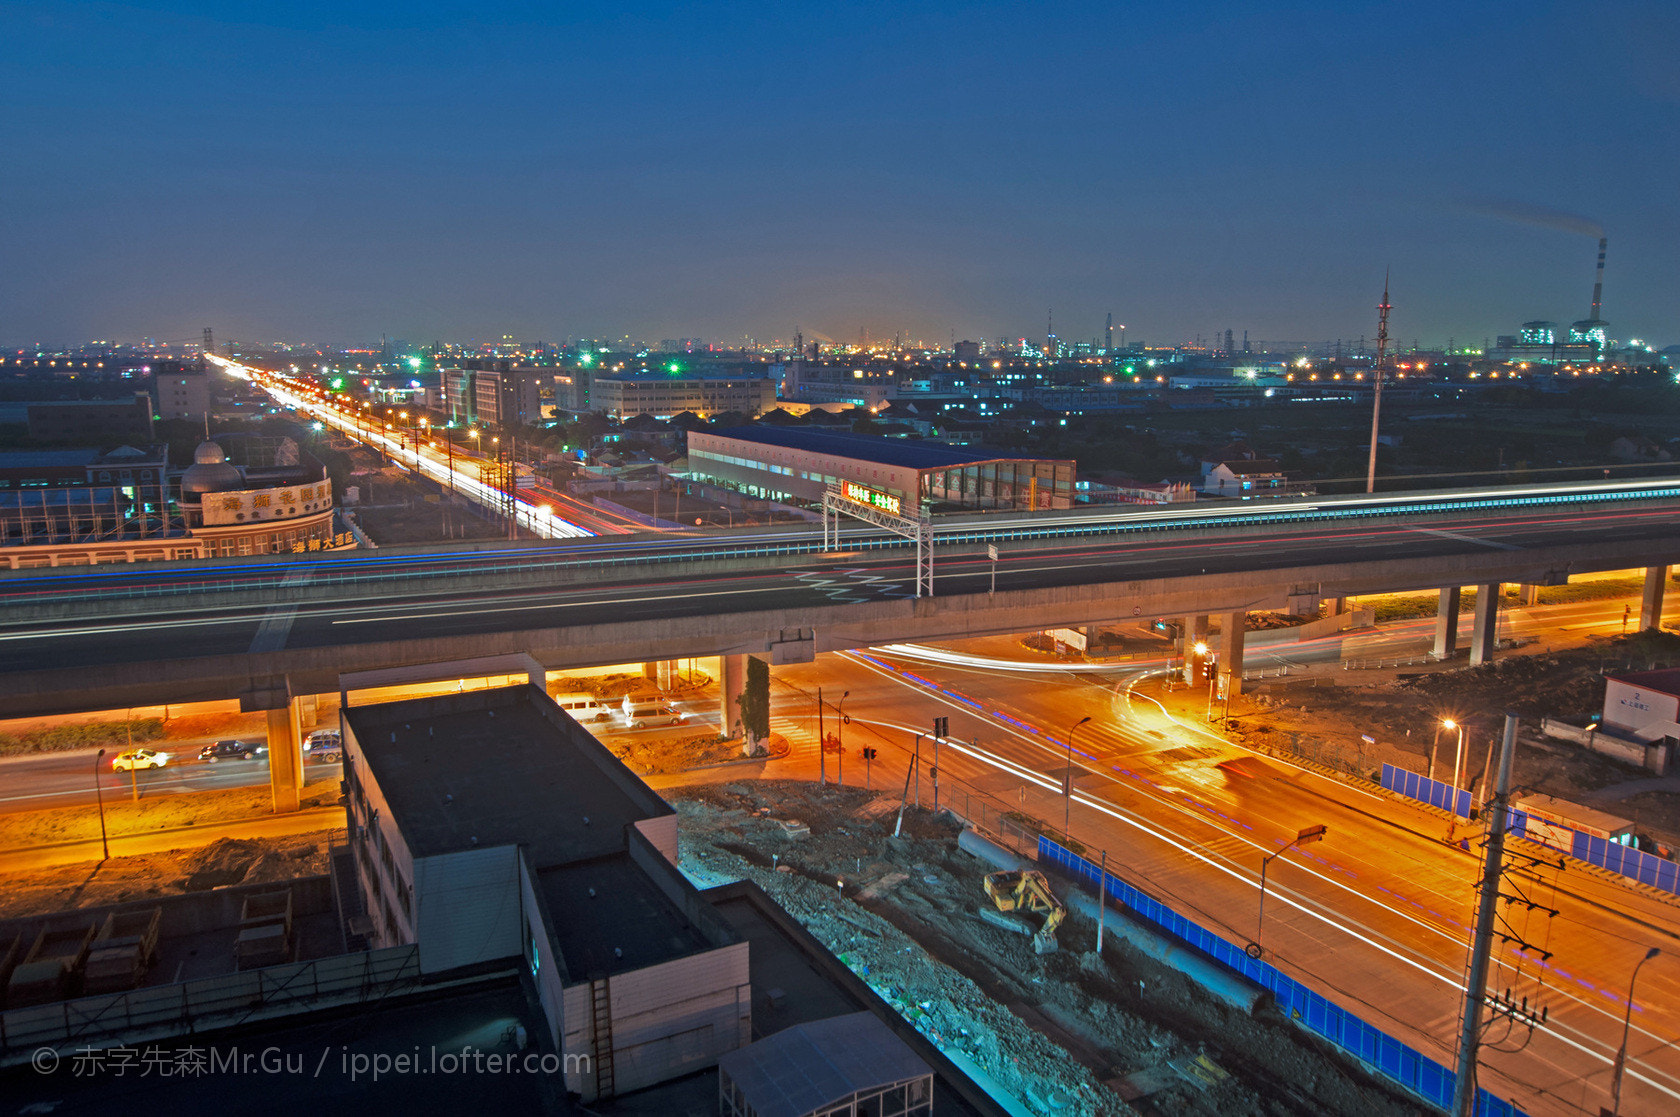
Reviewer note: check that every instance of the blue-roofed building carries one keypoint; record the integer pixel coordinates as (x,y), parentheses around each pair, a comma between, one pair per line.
(796,465)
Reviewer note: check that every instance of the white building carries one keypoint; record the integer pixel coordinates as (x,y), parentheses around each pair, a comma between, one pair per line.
(488,826)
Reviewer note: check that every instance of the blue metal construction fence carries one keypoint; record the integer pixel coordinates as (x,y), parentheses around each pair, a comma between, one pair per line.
(1424,789)
(1424,1077)
(1647,868)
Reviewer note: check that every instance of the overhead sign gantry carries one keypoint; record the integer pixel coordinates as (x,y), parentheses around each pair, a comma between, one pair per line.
(883,510)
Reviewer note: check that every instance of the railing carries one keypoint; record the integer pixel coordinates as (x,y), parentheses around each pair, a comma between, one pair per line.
(366,569)
(195,1006)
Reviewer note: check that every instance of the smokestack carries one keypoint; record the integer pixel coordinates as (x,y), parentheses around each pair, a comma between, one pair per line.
(1598,284)
(1108,334)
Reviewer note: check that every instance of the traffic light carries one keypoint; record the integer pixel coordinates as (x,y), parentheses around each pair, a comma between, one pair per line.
(941,726)
(868,753)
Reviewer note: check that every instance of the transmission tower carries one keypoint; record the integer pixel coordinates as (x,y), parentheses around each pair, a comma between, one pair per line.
(1377,382)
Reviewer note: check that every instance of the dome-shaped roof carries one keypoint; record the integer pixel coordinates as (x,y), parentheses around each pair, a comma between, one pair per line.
(209,453)
(210,473)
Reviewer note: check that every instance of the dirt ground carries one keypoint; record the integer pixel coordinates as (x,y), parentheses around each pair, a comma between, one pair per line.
(394,509)
(121,879)
(1068,1023)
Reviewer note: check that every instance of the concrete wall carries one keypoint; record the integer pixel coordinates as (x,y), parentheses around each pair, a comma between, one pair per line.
(1632,708)
(551,967)
(667,1020)
(196,912)
(1653,756)
(467,907)
(1339,622)
(374,841)
(661,833)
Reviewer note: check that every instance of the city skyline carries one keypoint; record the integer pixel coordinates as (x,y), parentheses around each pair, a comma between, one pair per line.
(935,171)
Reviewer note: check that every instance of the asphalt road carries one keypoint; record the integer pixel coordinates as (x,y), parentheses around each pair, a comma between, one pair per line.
(1377,915)
(177,630)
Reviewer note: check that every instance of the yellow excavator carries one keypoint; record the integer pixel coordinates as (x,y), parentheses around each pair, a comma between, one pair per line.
(1025,890)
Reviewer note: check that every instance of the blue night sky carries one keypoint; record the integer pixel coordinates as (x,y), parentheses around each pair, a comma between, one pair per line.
(335,171)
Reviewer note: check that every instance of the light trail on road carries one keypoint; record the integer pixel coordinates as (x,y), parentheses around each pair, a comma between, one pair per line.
(1430,918)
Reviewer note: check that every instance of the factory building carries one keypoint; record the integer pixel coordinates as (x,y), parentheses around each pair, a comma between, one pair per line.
(797,465)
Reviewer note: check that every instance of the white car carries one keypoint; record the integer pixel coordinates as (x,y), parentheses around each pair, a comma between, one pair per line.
(138,758)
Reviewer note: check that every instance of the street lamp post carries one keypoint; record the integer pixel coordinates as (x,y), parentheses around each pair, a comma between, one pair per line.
(1067,787)
(99,797)
(1458,755)
(1305,837)
(1627,1023)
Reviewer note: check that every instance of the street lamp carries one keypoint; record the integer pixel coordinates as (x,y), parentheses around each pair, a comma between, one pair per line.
(1305,837)
(1067,787)
(1458,754)
(1627,1022)
(99,797)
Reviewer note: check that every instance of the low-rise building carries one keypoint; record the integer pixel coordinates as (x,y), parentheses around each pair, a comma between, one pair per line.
(94,420)
(489,825)
(663,396)
(798,464)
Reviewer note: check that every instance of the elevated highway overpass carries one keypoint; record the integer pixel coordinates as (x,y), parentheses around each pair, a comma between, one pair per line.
(109,637)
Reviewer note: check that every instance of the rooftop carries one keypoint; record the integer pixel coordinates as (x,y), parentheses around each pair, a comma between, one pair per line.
(861,447)
(499,767)
(610,917)
(808,1067)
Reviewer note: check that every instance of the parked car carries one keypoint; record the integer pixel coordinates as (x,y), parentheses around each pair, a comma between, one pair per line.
(231,750)
(138,758)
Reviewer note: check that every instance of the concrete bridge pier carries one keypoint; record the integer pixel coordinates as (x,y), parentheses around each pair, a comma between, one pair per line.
(732,680)
(1446,623)
(1231,654)
(285,743)
(1484,630)
(1651,602)
(1528,594)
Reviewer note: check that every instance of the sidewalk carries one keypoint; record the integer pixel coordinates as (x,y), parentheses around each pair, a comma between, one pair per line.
(173,839)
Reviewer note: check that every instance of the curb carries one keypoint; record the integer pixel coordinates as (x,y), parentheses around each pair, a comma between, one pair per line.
(337,811)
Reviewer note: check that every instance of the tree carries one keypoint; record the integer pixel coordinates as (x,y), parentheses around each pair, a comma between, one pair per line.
(755,705)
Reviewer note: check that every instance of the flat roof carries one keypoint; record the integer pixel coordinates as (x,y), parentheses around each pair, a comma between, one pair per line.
(861,447)
(35,459)
(809,1067)
(609,917)
(1579,812)
(498,767)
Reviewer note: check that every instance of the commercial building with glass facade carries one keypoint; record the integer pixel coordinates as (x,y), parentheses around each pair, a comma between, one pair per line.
(797,465)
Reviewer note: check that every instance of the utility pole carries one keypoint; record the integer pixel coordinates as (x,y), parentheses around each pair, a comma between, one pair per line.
(1475,992)
(1377,382)
(822,745)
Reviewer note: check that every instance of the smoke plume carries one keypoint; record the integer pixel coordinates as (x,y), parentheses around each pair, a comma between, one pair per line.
(1540,217)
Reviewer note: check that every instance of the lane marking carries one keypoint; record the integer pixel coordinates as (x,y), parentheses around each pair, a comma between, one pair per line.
(1466,538)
